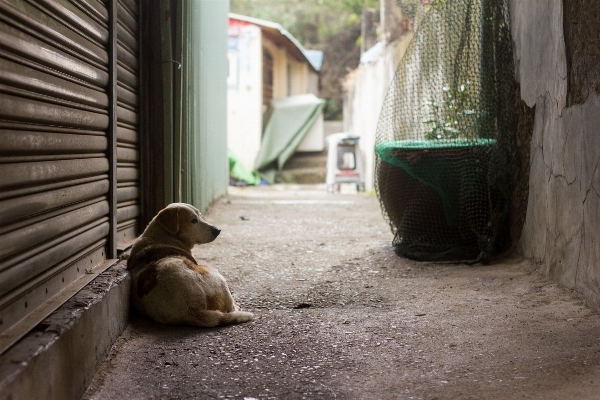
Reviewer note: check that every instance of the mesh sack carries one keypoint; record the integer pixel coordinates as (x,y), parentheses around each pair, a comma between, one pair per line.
(443,169)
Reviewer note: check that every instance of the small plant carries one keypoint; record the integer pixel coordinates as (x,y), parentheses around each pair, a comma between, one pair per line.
(454,118)
(409,7)
(434,3)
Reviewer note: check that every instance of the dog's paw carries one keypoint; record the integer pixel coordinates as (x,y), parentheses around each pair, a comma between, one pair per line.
(237,317)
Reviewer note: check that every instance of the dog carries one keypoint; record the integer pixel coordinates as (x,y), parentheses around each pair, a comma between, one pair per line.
(167,283)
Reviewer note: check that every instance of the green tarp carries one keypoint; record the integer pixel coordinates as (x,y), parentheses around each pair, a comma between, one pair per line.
(286,123)
(238,171)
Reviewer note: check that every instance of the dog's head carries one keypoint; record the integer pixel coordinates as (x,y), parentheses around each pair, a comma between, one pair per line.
(186,223)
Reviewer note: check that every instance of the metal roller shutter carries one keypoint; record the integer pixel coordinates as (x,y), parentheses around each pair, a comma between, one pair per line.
(128,171)
(68,152)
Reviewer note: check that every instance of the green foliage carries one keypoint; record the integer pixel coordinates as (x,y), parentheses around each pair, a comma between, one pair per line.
(409,7)
(359,41)
(312,22)
(436,3)
(455,117)
(432,3)
(333,110)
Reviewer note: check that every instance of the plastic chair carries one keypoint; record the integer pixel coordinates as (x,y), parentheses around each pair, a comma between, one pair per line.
(344,162)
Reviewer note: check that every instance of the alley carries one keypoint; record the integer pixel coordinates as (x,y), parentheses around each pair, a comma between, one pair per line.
(340,316)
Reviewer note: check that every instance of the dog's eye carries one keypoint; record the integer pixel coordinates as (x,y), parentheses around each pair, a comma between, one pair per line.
(194,221)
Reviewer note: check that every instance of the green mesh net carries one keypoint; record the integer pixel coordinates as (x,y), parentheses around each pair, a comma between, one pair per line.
(443,170)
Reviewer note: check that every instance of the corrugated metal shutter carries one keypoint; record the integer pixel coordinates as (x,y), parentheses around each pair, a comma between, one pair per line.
(57,152)
(128,171)
(199,145)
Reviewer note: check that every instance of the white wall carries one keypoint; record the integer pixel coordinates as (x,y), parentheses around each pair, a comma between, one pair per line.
(314,139)
(244,97)
(364,99)
(562,225)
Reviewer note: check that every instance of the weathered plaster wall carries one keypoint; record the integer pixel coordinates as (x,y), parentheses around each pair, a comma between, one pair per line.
(582,43)
(562,225)
(539,50)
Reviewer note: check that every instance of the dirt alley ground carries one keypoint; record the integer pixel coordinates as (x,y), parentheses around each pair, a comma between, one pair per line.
(340,316)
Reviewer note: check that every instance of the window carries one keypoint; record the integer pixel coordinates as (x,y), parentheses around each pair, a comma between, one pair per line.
(267,77)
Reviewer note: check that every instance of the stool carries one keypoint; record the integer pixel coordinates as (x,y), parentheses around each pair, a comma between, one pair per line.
(344,162)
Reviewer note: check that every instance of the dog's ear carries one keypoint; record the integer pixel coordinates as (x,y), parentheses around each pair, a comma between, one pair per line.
(169,219)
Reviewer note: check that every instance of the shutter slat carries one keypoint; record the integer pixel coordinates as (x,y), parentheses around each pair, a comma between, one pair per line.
(127,116)
(128,212)
(20,109)
(127,135)
(127,155)
(127,174)
(76,19)
(26,78)
(28,236)
(127,193)
(127,97)
(35,143)
(30,174)
(26,46)
(47,29)
(35,264)
(19,208)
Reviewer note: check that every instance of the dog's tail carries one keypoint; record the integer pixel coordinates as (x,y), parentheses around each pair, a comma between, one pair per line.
(213,318)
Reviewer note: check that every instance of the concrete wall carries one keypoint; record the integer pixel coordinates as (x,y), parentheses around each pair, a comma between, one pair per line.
(562,225)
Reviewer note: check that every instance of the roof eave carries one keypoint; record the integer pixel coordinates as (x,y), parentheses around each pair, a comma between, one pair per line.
(273,26)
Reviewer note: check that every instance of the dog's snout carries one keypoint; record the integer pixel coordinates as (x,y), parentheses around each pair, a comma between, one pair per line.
(215,231)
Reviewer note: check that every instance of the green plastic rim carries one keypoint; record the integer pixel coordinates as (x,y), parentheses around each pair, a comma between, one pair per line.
(383,148)
(435,169)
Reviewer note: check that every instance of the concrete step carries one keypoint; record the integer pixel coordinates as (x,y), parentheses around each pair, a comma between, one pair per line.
(304,168)
(58,358)
(301,175)
(306,160)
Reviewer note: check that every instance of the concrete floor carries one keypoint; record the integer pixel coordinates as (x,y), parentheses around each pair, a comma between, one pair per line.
(340,316)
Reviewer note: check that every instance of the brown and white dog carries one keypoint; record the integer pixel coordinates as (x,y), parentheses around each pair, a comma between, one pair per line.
(168,285)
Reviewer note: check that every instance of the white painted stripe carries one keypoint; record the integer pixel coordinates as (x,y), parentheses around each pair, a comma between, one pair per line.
(294,202)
